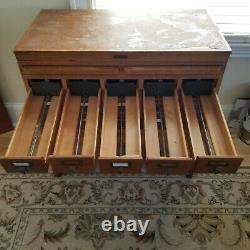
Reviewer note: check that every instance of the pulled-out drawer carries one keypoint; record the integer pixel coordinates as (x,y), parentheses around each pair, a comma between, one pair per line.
(166,147)
(76,140)
(36,129)
(210,140)
(121,138)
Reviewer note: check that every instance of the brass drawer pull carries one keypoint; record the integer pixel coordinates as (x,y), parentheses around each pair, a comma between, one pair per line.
(168,165)
(22,166)
(217,166)
(120,164)
(120,56)
(217,163)
(71,163)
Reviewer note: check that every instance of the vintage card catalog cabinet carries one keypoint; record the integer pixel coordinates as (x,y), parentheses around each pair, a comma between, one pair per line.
(122,93)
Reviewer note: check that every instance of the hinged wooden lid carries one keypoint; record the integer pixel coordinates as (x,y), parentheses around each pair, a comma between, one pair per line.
(93,33)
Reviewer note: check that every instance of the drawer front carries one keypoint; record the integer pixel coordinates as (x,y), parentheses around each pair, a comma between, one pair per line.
(71,71)
(72,164)
(175,70)
(99,58)
(170,166)
(34,135)
(217,165)
(24,164)
(77,135)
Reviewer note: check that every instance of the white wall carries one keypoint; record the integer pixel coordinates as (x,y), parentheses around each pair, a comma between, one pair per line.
(236,80)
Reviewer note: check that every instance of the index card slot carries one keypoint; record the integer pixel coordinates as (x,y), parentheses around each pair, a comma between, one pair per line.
(22,167)
(120,164)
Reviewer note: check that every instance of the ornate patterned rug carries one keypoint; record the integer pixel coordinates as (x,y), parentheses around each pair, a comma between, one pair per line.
(207,212)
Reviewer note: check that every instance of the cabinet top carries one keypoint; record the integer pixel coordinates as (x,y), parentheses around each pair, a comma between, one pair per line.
(103,30)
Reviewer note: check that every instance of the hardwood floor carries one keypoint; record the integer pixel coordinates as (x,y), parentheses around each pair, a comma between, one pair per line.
(242,148)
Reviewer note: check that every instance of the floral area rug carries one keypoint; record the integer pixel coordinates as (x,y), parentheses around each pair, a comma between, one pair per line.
(207,212)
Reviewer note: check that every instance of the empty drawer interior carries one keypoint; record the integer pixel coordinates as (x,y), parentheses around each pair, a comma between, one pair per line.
(76,139)
(210,139)
(164,134)
(34,135)
(121,138)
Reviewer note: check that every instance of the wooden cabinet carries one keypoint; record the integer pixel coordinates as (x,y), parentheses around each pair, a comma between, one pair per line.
(136,91)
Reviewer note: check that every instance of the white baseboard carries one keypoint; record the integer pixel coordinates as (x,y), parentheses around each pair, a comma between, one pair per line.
(14,109)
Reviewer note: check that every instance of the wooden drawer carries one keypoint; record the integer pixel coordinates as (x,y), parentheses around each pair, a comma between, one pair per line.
(76,140)
(34,135)
(120,150)
(209,137)
(166,147)
(69,71)
(122,58)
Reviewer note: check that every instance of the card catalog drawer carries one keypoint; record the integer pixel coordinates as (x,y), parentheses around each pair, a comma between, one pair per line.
(166,147)
(121,138)
(210,140)
(76,140)
(36,129)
